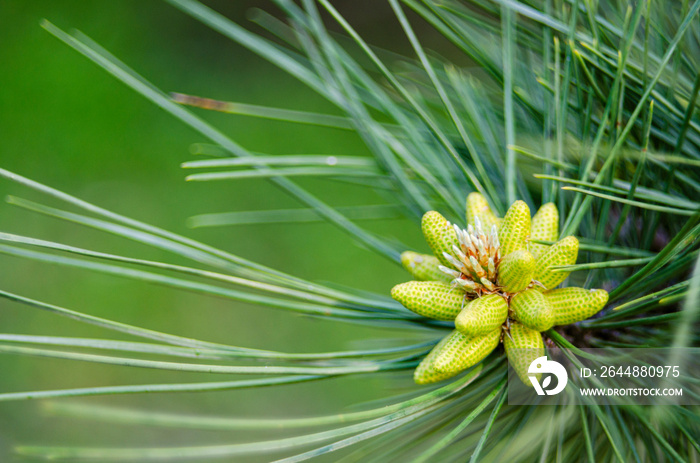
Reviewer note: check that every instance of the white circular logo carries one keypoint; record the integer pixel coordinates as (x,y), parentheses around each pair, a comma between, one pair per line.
(550,367)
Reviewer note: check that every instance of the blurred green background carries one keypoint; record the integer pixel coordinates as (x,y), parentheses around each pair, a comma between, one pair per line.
(68,124)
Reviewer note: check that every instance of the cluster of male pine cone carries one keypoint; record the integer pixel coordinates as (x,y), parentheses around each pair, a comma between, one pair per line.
(495,284)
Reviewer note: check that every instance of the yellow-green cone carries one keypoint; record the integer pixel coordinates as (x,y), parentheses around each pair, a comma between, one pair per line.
(575,304)
(532,309)
(545,226)
(423,267)
(432,299)
(426,372)
(461,352)
(515,228)
(523,345)
(482,315)
(439,234)
(563,252)
(477,206)
(516,271)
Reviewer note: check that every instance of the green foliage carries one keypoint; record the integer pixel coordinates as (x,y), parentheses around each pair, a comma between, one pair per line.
(602,95)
